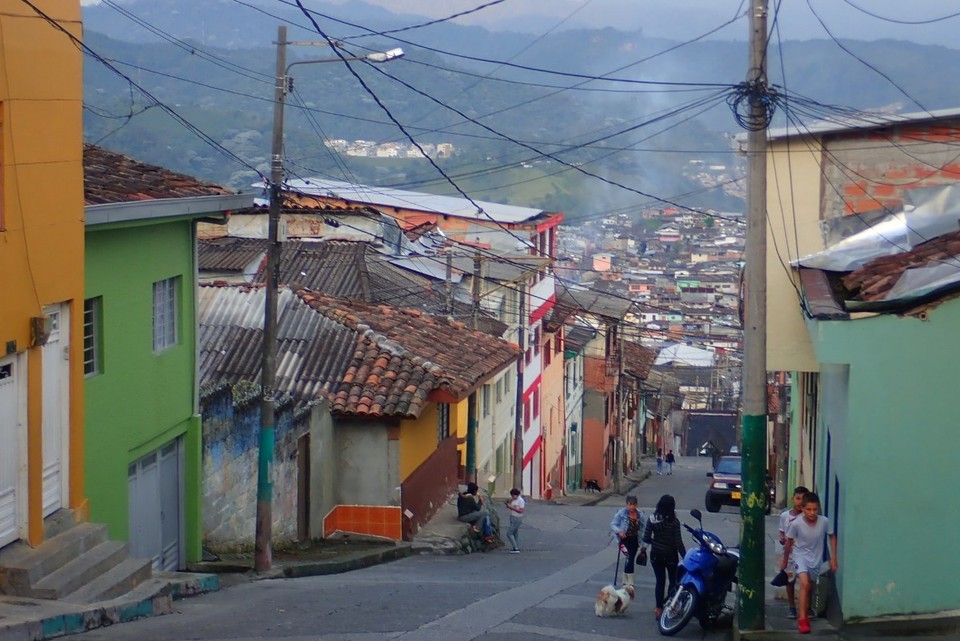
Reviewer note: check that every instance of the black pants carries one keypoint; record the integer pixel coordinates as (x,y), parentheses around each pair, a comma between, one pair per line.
(632,544)
(664,568)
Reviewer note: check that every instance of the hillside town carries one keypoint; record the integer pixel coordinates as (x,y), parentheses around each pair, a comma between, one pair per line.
(195,377)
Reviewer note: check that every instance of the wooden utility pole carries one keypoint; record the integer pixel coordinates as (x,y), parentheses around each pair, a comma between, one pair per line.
(263,552)
(750,605)
(518,414)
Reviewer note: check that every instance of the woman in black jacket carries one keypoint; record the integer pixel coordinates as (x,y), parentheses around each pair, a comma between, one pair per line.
(666,546)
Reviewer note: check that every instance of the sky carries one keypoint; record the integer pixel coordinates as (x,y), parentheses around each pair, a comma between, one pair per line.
(679,19)
(923,21)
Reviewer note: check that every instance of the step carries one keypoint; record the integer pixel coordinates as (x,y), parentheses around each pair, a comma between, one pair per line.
(58,523)
(81,570)
(115,582)
(22,566)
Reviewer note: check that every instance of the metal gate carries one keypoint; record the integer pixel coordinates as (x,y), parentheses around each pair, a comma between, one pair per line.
(154,485)
(11,429)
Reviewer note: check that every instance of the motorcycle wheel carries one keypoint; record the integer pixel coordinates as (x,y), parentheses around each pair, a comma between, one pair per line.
(678,611)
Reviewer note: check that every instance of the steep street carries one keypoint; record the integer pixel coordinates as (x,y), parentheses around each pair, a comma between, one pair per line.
(546,592)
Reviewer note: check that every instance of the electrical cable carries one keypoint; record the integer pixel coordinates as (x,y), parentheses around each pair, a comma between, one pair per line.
(163,106)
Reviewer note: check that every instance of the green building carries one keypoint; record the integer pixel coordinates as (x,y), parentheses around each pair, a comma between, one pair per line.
(142,445)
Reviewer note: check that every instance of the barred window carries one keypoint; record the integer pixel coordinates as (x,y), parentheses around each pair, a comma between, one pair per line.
(92,339)
(165,319)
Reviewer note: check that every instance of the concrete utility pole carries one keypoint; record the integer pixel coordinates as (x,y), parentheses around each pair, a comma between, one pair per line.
(750,606)
(263,553)
(518,414)
(477,268)
(618,399)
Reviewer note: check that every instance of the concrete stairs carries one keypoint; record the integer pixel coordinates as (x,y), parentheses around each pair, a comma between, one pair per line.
(77,563)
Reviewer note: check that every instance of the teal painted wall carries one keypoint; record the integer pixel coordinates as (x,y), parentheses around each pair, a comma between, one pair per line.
(895,454)
(141,400)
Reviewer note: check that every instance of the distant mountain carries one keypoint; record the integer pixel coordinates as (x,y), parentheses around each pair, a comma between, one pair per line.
(218,74)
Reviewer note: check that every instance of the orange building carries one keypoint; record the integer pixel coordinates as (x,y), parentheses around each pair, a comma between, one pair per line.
(41,258)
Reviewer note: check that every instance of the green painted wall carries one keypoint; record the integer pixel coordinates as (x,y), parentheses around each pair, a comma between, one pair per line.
(141,400)
(894,450)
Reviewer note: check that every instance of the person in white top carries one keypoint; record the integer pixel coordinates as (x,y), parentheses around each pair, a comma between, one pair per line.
(805,540)
(517,506)
(786,518)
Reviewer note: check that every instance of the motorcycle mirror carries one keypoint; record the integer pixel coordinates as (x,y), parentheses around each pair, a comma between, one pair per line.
(695,513)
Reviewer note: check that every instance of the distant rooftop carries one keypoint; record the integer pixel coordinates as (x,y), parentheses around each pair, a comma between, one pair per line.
(863,121)
(398,198)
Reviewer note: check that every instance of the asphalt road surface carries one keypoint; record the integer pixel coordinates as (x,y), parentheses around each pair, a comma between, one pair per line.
(546,592)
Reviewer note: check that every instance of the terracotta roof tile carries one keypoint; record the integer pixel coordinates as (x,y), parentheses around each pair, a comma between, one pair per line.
(637,359)
(407,354)
(111,177)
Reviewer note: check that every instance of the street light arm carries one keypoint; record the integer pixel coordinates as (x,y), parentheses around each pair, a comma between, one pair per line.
(376,57)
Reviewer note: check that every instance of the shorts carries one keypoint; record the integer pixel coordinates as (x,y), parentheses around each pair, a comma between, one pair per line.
(813,570)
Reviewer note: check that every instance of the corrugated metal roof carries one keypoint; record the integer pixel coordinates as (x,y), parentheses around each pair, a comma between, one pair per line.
(373,360)
(389,197)
(229,254)
(864,121)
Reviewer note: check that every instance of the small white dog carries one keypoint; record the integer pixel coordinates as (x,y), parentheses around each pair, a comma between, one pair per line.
(612,602)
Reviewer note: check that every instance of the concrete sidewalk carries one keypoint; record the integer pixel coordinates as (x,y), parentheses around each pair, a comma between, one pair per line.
(23,619)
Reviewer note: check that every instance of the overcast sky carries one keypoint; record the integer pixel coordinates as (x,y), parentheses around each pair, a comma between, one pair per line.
(679,19)
(925,21)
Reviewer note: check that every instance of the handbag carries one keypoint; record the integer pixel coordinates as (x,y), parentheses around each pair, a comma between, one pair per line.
(642,557)
(780,580)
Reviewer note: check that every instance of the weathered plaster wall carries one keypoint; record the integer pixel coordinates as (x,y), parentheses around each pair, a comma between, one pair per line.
(895,459)
(230,450)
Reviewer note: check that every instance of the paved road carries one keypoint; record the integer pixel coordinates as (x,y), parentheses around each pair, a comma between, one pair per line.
(546,592)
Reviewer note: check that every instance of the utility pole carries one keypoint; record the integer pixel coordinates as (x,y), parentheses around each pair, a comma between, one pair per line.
(449,283)
(477,267)
(618,400)
(263,553)
(518,414)
(750,606)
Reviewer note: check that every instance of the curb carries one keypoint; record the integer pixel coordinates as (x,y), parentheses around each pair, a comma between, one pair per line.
(319,568)
(154,597)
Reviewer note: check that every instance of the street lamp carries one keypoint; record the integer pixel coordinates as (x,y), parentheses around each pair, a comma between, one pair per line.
(263,556)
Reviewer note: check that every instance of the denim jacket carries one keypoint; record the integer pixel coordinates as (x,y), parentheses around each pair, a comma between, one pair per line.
(621,519)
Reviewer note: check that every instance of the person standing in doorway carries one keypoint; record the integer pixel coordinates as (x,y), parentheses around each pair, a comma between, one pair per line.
(662,533)
(670,460)
(659,461)
(517,506)
(627,526)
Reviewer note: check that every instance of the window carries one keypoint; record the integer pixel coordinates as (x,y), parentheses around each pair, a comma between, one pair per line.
(526,414)
(536,403)
(485,399)
(499,387)
(506,383)
(443,421)
(547,354)
(92,330)
(165,313)
(536,341)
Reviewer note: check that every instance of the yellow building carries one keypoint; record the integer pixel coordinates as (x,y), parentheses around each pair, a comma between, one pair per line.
(41,258)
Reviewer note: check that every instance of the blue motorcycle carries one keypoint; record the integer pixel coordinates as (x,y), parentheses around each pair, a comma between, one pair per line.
(708,574)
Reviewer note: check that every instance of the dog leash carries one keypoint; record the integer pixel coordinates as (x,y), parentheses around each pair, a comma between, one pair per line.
(616,570)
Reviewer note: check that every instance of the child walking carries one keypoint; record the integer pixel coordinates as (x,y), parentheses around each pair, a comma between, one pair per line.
(786,518)
(517,506)
(663,535)
(805,543)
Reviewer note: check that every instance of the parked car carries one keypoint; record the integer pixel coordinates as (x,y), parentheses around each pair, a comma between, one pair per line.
(727,485)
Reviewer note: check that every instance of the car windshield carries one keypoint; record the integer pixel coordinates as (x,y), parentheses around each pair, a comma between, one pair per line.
(728,466)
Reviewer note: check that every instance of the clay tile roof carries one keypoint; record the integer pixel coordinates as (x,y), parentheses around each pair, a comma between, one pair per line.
(111,177)
(407,354)
(637,359)
(872,281)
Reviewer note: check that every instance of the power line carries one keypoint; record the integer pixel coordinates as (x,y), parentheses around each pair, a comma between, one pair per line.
(166,108)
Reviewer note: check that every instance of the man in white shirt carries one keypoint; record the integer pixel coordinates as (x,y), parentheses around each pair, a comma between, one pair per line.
(516,505)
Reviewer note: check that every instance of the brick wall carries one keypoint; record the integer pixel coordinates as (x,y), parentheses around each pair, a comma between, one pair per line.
(230,451)
(869,172)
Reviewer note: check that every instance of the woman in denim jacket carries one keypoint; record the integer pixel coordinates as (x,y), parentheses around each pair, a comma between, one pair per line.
(627,526)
